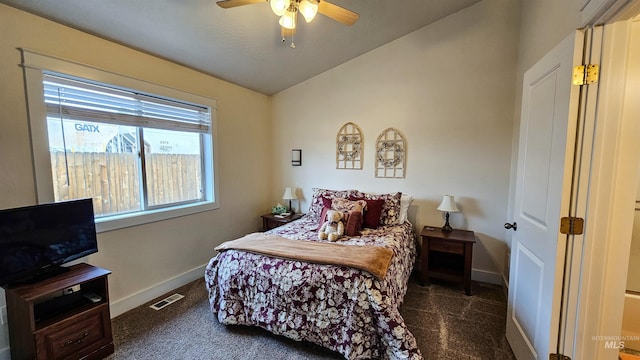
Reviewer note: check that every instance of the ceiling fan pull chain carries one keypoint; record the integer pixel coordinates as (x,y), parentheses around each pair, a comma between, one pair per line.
(295,20)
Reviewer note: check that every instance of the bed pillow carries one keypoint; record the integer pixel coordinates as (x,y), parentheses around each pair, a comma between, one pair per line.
(346,205)
(390,213)
(318,199)
(323,216)
(372,212)
(352,221)
(352,211)
(405,201)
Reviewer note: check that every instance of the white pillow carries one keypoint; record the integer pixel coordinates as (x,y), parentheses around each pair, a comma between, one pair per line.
(405,201)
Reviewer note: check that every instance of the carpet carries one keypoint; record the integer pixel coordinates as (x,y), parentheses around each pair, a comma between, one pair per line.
(446,323)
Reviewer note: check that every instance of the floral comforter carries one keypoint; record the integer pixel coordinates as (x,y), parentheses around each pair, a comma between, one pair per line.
(340,308)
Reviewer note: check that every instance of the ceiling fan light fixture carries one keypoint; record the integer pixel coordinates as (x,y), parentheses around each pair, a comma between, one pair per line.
(279,6)
(288,20)
(308,9)
(287,11)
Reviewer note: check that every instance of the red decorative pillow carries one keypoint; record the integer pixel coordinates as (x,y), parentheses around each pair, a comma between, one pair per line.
(372,212)
(352,221)
(390,209)
(317,199)
(323,216)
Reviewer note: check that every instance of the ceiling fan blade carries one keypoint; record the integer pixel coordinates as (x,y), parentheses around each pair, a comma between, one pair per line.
(233,3)
(336,12)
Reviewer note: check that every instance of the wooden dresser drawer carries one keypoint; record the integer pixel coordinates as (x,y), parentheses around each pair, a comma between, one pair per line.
(45,325)
(453,247)
(80,335)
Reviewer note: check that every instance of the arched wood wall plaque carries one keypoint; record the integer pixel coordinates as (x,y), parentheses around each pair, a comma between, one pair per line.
(391,154)
(349,145)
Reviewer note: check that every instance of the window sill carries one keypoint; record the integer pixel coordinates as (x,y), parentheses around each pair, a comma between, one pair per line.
(133,219)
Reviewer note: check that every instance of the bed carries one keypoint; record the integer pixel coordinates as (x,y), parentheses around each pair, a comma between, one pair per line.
(353,311)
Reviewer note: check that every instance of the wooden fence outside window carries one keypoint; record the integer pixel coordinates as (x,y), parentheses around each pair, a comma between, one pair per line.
(113,180)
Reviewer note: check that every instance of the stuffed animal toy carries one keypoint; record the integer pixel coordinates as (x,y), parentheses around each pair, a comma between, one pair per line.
(333,228)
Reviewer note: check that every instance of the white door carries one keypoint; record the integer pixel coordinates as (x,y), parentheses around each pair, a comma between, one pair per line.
(542,196)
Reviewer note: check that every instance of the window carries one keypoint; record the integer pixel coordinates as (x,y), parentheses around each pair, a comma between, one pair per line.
(141,156)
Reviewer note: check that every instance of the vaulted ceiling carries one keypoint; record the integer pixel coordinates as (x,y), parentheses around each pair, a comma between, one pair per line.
(243,45)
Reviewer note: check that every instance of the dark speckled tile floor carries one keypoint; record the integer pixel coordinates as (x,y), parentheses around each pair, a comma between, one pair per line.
(446,323)
(450,325)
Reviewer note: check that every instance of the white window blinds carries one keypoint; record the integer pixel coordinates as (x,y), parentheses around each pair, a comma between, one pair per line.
(85,101)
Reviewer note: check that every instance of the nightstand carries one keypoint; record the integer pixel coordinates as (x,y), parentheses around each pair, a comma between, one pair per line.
(447,255)
(270,221)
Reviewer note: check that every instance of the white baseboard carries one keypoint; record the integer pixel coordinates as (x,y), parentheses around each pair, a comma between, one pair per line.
(486,276)
(130,302)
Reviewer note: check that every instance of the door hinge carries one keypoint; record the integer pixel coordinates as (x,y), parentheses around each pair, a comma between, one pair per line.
(558,357)
(586,74)
(571,225)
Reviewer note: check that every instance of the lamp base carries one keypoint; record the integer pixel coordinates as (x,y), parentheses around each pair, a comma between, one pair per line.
(291,210)
(447,227)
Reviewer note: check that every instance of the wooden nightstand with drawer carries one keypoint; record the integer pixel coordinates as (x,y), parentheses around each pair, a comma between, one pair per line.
(447,255)
(271,221)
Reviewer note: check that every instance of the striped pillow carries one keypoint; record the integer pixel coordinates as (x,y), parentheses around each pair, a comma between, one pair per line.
(352,221)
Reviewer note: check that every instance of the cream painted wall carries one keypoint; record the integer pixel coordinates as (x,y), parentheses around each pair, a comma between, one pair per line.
(140,257)
(448,88)
(544,24)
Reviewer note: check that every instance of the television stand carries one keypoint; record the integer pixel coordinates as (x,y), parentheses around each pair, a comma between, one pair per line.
(50,319)
(40,275)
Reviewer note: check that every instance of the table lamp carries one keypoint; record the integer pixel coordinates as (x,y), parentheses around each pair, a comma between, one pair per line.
(447,205)
(289,194)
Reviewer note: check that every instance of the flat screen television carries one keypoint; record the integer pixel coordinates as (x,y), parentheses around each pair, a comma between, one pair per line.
(36,240)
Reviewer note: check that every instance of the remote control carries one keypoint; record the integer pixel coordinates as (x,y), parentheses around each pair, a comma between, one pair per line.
(93,297)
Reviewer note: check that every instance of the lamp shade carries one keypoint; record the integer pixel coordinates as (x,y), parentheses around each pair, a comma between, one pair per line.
(308,9)
(279,6)
(288,20)
(289,194)
(448,204)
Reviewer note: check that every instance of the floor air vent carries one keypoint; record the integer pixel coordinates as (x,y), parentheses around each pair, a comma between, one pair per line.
(166,301)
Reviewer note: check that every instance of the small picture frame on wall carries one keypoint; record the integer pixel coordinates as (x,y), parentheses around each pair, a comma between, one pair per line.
(296,157)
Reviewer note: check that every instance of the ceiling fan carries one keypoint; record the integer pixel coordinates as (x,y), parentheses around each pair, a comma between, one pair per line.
(288,10)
